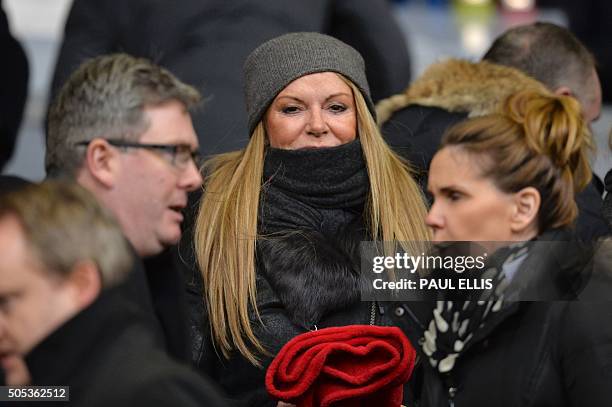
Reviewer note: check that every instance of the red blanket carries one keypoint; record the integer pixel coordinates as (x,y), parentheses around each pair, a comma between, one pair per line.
(349,366)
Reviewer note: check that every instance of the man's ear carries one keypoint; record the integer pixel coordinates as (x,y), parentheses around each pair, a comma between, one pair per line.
(102,161)
(527,205)
(86,282)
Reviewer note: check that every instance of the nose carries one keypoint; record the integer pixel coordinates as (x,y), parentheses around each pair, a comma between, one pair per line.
(317,126)
(191,179)
(434,218)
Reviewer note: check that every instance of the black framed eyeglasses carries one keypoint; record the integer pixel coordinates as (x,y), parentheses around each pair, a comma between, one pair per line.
(179,154)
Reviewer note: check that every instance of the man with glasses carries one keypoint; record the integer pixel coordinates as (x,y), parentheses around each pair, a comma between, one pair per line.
(121,128)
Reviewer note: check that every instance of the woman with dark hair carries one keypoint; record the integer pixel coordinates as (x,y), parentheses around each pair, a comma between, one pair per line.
(508,180)
(278,230)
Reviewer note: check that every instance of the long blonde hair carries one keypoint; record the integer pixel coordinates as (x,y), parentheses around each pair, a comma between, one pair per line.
(226,226)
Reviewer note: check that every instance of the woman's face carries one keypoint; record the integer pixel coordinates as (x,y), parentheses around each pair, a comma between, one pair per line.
(314,111)
(467,206)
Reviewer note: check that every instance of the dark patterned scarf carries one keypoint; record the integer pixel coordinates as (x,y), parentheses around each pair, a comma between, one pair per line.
(456,321)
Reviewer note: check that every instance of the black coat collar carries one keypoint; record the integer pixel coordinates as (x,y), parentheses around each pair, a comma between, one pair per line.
(557,268)
(76,343)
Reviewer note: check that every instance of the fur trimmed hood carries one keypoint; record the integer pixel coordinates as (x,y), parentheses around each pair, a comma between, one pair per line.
(456,85)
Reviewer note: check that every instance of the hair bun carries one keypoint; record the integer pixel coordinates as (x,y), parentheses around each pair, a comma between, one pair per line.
(554,126)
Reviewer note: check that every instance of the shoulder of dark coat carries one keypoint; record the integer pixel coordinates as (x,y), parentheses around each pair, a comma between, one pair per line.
(134,369)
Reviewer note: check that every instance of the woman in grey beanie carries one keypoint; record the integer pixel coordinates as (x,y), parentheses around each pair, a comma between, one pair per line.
(279,225)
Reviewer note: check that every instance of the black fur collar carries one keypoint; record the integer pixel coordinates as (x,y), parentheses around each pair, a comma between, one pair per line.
(310,274)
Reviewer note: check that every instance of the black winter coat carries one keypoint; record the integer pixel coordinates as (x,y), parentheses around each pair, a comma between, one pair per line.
(308,269)
(328,299)
(536,353)
(166,284)
(157,287)
(108,357)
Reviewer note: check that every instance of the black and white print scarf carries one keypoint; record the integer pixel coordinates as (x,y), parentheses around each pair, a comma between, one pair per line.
(455,322)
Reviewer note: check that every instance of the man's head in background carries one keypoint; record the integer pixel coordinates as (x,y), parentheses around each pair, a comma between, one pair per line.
(555,57)
(121,127)
(58,249)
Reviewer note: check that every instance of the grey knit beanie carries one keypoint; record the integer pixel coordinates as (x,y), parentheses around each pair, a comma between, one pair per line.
(281,60)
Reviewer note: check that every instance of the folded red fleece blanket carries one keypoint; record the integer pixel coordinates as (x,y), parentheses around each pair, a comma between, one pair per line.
(349,366)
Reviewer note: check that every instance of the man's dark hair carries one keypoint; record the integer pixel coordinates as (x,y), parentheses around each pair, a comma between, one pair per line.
(547,52)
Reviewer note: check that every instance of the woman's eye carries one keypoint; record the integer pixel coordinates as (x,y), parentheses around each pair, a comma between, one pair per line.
(290,109)
(454,196)
(337,108)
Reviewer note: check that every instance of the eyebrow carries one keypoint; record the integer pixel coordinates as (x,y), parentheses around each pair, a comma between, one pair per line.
(453,188)
(326,99)
(444,189)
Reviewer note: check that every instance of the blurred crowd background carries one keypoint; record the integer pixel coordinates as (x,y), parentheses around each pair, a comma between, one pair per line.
(434,30)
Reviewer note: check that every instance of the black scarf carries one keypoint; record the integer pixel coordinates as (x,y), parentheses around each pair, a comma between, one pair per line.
(310,226)
(321,189)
